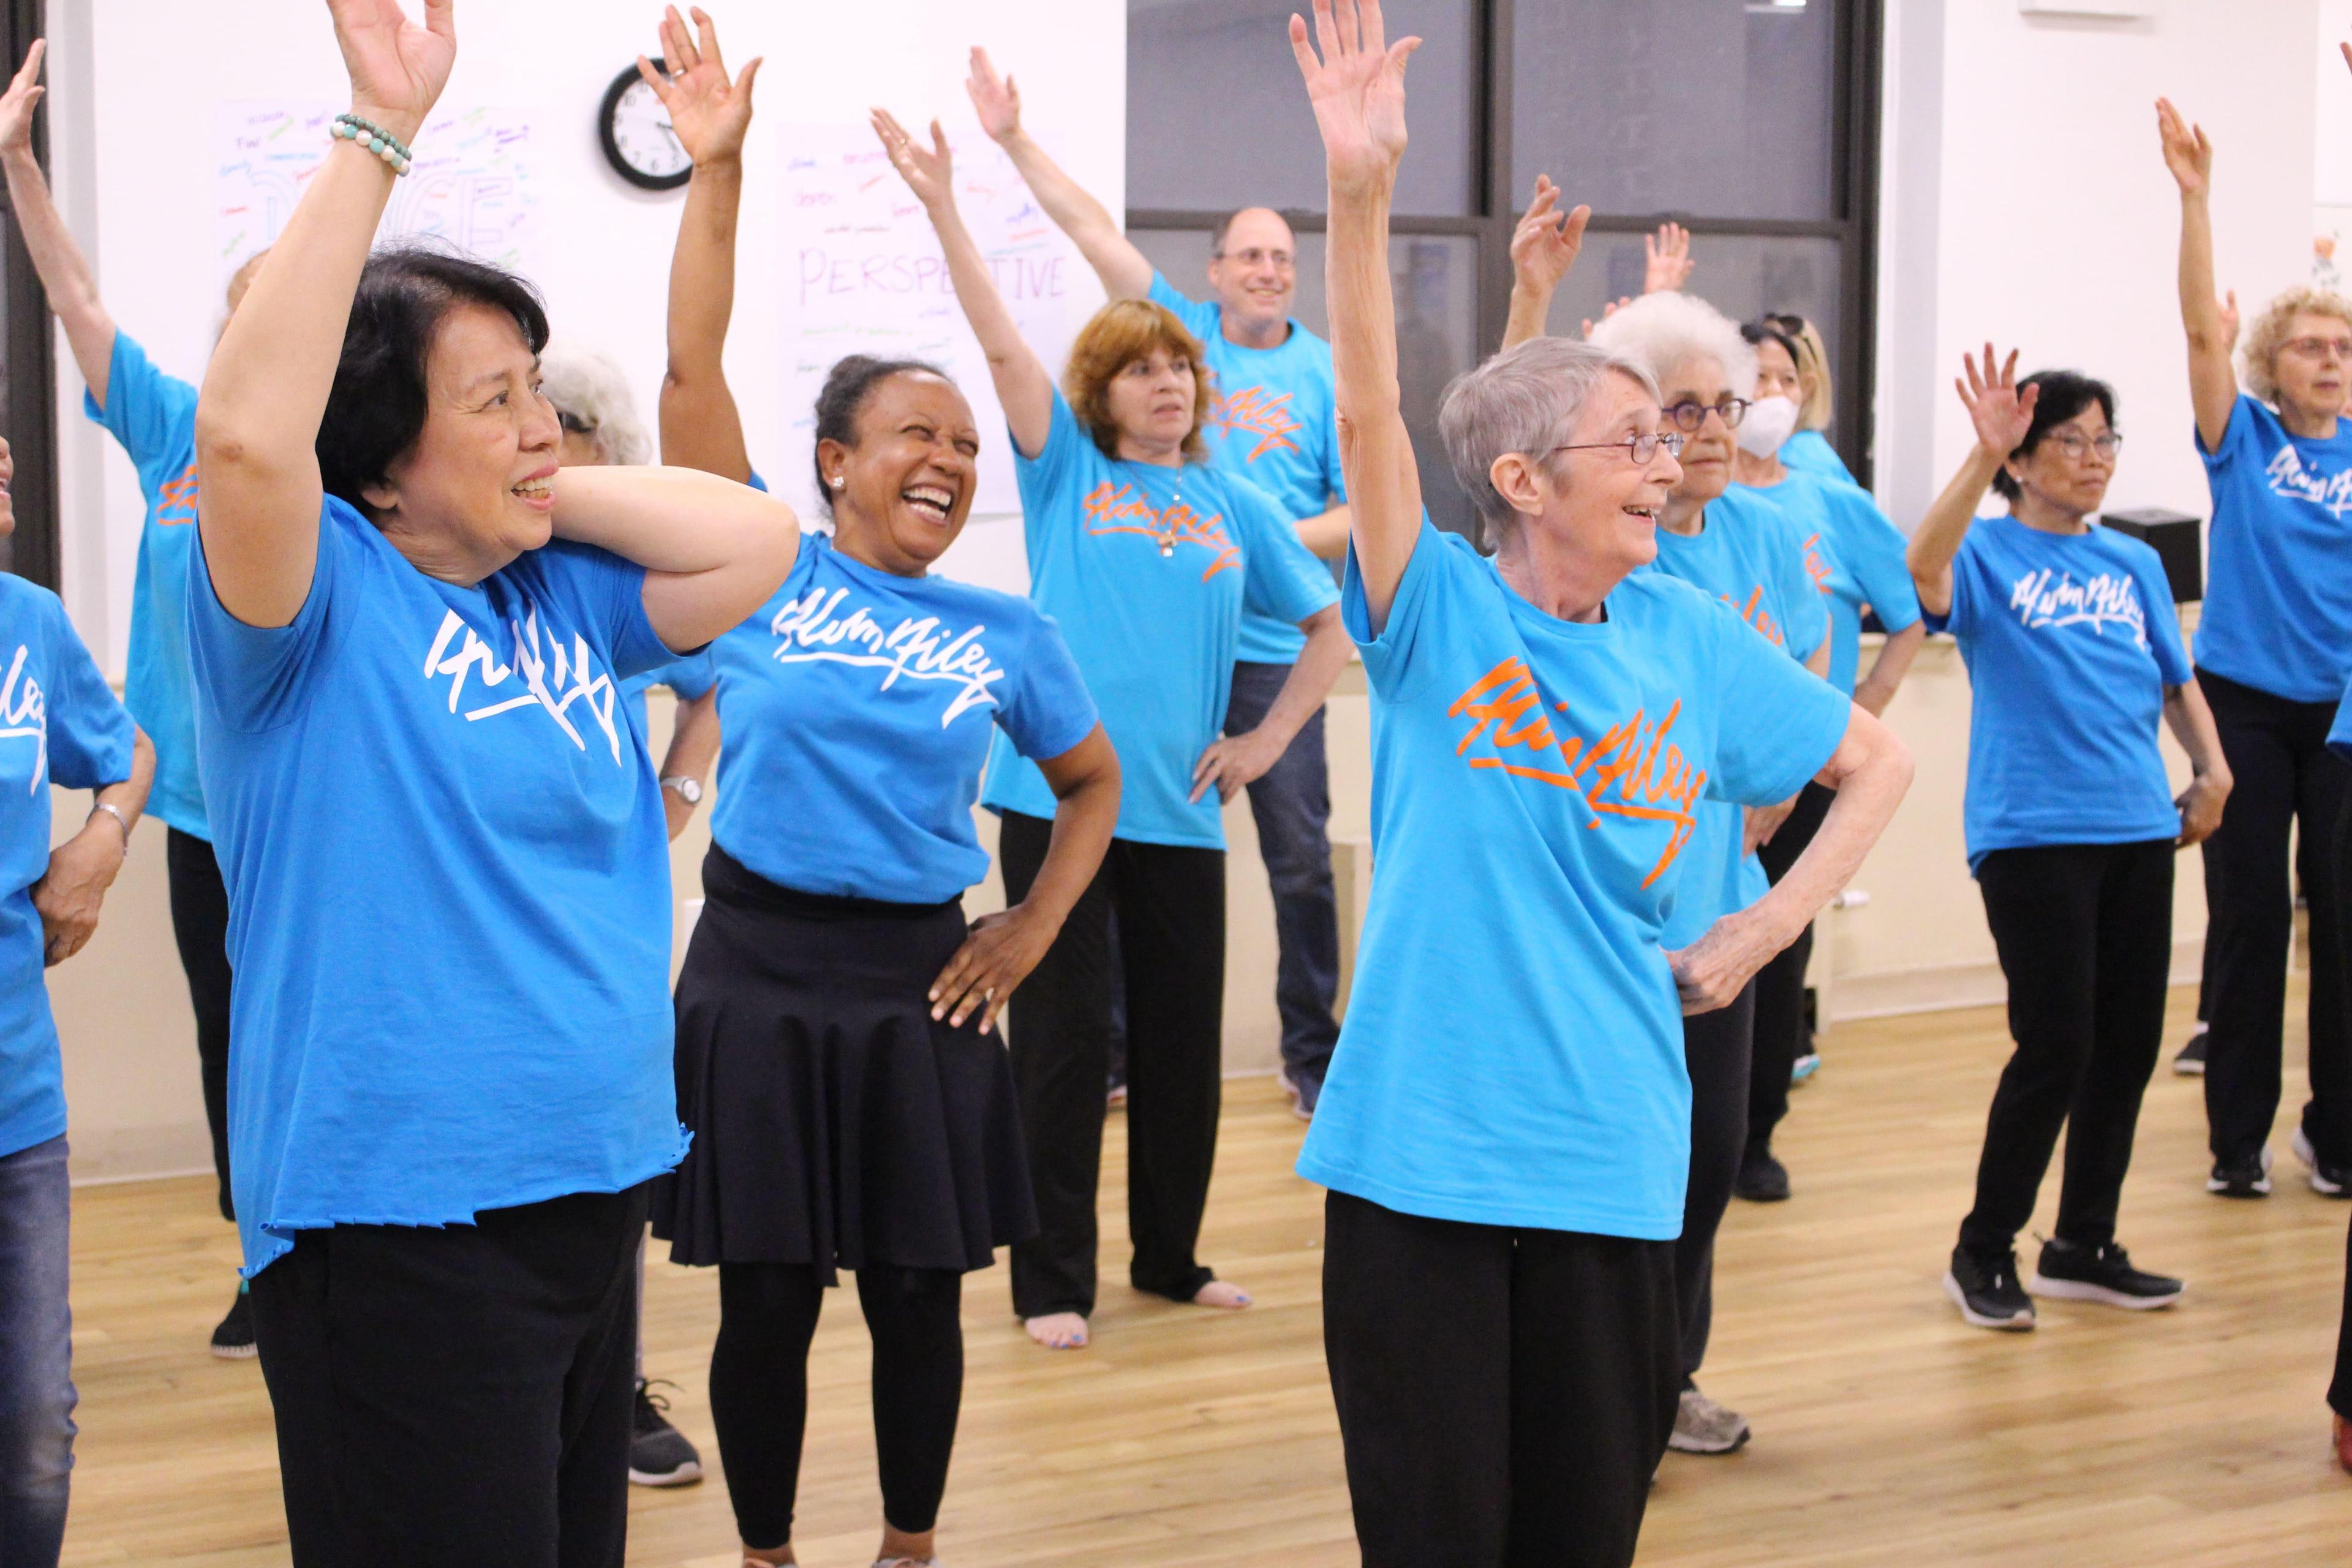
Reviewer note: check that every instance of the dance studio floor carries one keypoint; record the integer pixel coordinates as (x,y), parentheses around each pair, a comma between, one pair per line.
(1886,1432)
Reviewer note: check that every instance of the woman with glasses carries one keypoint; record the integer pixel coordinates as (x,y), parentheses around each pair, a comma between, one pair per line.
(2074,653)
(2273,646)
(1504,1133)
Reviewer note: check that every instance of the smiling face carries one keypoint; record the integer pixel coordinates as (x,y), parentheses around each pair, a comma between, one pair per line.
(1707,451)
(1255,273)
(1599,504)
(2065,471)
(908,481)
(2314,364)
(1151,401)
(476,487)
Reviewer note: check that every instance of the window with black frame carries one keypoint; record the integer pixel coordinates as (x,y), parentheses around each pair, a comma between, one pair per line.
(28,376)
(1751,121)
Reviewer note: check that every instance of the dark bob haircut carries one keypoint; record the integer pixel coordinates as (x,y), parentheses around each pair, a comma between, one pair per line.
(848,386)
(2064,393)
(375,410)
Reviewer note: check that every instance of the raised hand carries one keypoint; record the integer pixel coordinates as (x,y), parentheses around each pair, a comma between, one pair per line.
(1545,244)
(1357,87)
(996,99)
(2187,151)
(16,103)
(929,172)
(708,114)
(397,68)
(1668,256)
(1989,394)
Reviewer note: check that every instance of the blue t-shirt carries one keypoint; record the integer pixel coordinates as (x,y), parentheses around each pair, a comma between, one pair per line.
(1273,420)
(1810,452)
(58,724)
(858,706)
(2069,640)
(1750,556)
(1513,1050)
(448,884)
(1854,555)
(2278,574)
(154,417)
(1146,570)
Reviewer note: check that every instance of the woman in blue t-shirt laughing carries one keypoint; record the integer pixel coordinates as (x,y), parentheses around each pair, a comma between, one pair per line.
(2074,653)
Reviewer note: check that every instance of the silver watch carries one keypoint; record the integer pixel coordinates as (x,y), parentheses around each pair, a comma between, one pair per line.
(689,790)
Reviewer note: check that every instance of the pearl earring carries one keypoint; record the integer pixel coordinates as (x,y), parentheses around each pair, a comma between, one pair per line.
(838,481)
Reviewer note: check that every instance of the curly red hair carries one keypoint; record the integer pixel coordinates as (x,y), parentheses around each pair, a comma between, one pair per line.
(1117,335)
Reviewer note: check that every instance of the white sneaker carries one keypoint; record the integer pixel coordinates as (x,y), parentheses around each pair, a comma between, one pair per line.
(1703,1427)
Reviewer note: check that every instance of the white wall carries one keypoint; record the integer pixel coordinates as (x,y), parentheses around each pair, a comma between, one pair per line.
(138,189)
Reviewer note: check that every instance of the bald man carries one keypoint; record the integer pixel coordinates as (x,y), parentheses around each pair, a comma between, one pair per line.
(1271,422)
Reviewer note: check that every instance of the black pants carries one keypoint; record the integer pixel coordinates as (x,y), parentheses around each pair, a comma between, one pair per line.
(1782,1034)
(453,1398)
(759,1388)
(1505,1396)
(2339,1392)
(1291,805)
(1171,903)
(2277,752)
(200,926)
(2084,933)
(1717,1047)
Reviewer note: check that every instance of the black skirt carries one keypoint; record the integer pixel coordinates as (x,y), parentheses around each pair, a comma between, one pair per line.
(835,1124)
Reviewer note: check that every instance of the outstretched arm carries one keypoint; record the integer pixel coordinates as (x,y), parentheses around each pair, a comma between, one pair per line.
(2001,418)
(266,390)
(1357,87)
(1668,260)
(2212,381)
(701,427)
(1124,272)
(65,273)
(1023,389)
(1543,248)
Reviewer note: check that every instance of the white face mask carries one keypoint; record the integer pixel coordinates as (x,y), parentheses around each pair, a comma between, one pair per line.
(1769,422)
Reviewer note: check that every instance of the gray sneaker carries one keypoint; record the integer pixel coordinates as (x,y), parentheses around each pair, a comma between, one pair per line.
(1703,1427)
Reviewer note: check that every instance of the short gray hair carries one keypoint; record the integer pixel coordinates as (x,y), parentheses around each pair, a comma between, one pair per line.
(1665,330)
(1525,400)
(591,390)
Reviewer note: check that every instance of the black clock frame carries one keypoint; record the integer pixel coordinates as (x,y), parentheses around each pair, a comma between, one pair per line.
(621,165)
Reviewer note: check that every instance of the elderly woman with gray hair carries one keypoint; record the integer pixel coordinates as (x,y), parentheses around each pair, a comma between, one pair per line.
(1506,1131)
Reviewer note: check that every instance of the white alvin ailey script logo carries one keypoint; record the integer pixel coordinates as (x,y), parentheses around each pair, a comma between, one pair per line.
(2289,480)
(812,630)
(545,674)
(23,712)
(2106,599)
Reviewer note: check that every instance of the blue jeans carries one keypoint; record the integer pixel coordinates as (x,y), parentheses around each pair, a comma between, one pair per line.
(1292,806)
(36,1392)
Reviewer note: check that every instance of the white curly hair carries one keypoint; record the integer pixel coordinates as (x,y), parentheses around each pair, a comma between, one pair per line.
(588,389)
(1663,331)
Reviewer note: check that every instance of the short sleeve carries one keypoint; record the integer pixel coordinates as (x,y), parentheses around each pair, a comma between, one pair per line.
(1391,659)
(258,677)
(1045,478)
(689,678)
(1871,549)
(1202,319)
(90,733)
(611,592)
(2172,666)
(2237,435)
(1049,709)
(151,414)
(1779,724)
(1283,578)
(757,483)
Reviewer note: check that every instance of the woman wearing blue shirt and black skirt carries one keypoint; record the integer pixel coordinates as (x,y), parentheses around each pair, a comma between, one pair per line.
(2074,653)
(1146,555)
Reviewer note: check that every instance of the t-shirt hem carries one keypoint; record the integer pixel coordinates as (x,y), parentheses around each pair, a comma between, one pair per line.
(1472,1211)
(2062,839)
(172,814)
(1132,836)
(48,1127)
(2199,660)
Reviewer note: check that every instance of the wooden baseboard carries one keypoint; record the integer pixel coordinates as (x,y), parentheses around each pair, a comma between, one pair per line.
(139,1153)
(1946,987)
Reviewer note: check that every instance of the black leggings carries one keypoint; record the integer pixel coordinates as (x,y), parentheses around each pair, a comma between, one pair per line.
(1781,1034)
(1717,1046)
(759,1388)
(200,926)
(2339,1392)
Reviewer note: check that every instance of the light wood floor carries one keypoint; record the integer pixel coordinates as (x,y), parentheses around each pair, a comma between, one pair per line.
(1886,1432)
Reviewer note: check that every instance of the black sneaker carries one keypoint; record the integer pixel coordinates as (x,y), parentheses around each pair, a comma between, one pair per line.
(233,1340)
(2328,1180)
(2248,1178)
(2192,1060)
(659,1454)
(1987,1293)
(1762,1179)
(2102,1274)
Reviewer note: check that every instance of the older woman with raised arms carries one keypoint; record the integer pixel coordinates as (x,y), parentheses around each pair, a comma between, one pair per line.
(1506,1132)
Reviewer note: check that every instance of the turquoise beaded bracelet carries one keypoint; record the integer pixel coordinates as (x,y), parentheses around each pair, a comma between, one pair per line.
(376,138)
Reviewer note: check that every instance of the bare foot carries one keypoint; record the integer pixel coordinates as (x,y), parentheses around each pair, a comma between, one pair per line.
(1058,1330)
(1222,1293)
(769,1556)
(904,1547)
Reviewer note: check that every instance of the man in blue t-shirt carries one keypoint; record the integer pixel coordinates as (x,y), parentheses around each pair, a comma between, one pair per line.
(1270,421)
(153,416)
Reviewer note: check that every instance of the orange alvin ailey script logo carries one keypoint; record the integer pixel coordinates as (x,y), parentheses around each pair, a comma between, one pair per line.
(1122,509)
(1816,565)
(1632,772)
(1260,413)
(176,501)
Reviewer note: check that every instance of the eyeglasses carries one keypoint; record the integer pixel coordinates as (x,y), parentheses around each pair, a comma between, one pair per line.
(1690,416)
(574,423)
(1643,447)
(2074,445)
(2316,348)
(1282,260)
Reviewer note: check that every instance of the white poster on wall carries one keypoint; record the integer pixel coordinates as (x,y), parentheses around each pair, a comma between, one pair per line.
(861,272)
(471,185)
